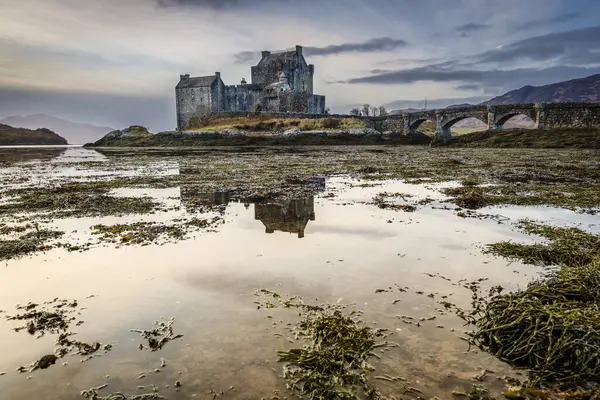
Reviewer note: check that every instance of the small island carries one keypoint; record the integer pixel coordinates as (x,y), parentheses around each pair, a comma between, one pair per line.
(10,136)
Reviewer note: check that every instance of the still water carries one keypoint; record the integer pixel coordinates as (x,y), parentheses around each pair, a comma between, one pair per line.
(332,249)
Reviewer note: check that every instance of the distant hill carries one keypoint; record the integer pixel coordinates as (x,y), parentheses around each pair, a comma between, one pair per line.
(405,110)
(575,90)
(75,133)
(21,136)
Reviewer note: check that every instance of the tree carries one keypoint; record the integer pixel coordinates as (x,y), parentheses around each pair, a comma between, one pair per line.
(382,110)
(327,110)
(257,108)
(355,111)
(365,109)
(374,110)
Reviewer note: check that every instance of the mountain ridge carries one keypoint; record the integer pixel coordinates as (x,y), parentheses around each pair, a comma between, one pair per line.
(73,132)
(585,89)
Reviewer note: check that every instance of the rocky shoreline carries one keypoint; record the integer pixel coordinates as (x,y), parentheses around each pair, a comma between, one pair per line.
(140,137)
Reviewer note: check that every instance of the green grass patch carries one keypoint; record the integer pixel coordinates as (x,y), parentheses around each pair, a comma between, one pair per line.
(529,138)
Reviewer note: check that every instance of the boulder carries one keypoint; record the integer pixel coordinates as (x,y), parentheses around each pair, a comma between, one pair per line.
(364,132)
(232,132)
(291,132)
(132,131)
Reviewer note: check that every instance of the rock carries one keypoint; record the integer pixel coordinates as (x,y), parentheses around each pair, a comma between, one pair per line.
(364,132)
(317,133)
(232,132)
(291,132)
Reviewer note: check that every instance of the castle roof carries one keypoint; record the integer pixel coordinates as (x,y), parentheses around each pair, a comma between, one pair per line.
(278,56)
(198,81)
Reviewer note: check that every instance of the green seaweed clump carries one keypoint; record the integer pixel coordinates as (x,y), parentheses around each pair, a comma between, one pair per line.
(334,364)
(567,246)
(552,328)
(28,243)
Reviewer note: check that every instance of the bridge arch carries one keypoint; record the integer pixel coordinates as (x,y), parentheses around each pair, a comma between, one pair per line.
(446,127)
(503,119)
(414,125)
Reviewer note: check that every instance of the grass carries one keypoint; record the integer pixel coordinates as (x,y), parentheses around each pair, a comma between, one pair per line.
(266,123)
(529,138)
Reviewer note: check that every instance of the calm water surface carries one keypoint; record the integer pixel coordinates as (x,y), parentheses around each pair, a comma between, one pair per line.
(327,249)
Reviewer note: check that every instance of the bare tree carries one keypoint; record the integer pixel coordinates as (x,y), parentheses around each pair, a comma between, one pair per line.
(374,110)
(365,109)
(382,110)
(355,111)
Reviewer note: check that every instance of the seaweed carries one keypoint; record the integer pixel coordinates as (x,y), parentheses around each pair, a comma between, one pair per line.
(159,336)
(333,364)
(570,246)
(57,320)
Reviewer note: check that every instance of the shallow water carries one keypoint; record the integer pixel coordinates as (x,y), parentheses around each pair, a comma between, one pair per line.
(337,249)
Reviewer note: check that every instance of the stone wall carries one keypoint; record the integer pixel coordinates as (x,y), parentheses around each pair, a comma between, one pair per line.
(194,101)
(577,115)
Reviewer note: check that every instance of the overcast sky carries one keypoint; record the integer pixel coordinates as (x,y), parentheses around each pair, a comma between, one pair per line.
(116,62)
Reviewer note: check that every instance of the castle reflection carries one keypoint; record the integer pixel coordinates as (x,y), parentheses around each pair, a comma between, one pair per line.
(290,216)
(284,215)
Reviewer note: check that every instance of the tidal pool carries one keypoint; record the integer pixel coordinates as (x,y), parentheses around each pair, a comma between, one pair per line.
(330,245)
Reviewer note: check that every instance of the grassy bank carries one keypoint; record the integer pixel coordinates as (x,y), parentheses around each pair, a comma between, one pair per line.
(266,123)
(176,139)
(10,136)
(588,138)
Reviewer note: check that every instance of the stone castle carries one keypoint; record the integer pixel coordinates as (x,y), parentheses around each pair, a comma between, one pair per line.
(281,82)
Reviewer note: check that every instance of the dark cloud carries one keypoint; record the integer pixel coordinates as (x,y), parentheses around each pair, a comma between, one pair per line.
(468,86)
(156,112)
(536,23)
(575,47)
(494,78)
(375,45)
(467,28)
(563,55)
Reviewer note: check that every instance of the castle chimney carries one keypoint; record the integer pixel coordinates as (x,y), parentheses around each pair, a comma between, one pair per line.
(184,78)
(218,75)
(265,53)
(299,50)
(243,81)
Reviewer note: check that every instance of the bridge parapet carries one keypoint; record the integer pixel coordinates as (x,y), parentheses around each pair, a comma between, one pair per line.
(545,115)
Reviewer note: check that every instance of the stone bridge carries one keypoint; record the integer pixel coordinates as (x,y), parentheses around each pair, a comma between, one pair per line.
(545,115)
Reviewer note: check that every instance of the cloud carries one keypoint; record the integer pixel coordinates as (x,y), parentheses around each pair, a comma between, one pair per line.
(574,47)
(381,44)
(536,23)
(375,45)
(471,27)
(494,78)
(469,86)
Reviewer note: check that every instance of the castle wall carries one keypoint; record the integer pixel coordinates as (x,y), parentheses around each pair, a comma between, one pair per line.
(192,101)
(316,104)
(241,98)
